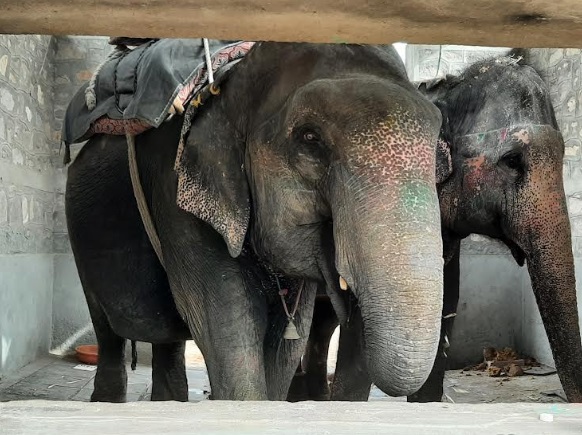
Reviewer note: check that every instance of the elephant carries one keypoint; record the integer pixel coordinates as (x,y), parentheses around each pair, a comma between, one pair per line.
(500,161)
(296,177)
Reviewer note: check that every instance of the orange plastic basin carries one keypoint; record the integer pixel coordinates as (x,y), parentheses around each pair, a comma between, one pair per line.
(88,354)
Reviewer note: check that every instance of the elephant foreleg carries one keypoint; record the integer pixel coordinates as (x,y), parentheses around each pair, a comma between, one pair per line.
(169,372)
(432,389)
(230,330)
(226,317)
(351,381)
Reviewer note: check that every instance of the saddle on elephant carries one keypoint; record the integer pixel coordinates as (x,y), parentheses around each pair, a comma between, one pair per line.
(143,82)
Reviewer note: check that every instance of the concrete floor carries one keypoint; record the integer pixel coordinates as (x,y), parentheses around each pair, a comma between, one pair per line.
(314,418)
(47,397)
(55,378)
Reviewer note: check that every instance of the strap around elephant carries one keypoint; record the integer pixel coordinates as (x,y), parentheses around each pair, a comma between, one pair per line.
(142,205)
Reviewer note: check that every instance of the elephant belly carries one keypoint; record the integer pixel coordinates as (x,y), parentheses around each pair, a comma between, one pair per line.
(134,296)
(123,280)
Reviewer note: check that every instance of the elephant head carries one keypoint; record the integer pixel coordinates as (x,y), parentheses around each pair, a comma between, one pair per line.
(322,162)
(506,183)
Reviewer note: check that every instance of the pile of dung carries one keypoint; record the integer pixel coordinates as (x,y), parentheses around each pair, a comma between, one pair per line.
(503,362)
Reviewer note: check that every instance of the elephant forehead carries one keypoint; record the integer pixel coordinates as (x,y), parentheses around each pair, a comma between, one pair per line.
(528,135)
(398,145)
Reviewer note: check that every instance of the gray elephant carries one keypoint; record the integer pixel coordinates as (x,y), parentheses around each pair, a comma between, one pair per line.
(314,161)
(505,182)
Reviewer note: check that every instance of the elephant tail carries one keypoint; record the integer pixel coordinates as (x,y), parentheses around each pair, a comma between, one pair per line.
(133,355)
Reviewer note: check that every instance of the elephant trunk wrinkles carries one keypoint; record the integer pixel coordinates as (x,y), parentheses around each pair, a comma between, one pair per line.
(548,247)
(394,267)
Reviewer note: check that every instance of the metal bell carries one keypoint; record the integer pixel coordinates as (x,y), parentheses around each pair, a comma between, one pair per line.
(291,331)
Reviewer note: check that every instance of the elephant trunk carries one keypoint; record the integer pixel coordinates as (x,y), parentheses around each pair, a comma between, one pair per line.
(394,267)
(546,241)
(554,286)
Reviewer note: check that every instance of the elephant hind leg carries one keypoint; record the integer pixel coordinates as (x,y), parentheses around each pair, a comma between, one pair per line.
(169,372)
(111,376)
(432,389)
(313,385)
(351,381)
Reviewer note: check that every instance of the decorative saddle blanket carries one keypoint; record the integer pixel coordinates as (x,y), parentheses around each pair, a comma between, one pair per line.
(138,89)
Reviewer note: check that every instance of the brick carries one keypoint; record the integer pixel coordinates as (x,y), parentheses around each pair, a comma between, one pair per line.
(6,100)
(3,207)
(4,64)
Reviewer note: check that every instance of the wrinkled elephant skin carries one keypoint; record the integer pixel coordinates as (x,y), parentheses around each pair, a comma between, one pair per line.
(503,179)
(314,161)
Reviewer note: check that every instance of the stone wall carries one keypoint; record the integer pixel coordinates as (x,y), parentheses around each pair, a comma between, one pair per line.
(497,306)
(27,146)
(41,300)
(76,59)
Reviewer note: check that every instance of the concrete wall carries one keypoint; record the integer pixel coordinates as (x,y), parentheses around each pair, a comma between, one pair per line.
(26,198)
(497,306)
(41,301)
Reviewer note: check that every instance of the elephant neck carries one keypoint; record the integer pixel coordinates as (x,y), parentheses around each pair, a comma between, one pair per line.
(258,273)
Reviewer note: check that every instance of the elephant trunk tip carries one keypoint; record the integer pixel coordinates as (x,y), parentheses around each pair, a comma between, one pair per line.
(405,377)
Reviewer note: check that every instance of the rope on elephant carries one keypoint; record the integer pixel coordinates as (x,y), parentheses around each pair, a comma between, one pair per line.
(142,205)
(290,332)
(208,61)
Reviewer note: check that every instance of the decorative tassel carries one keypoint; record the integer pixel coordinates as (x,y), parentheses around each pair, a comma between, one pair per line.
(67,156)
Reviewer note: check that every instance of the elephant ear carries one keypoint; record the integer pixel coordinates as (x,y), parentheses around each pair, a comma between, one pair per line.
(521,56)
(435,89)
(211,179)
(444,161)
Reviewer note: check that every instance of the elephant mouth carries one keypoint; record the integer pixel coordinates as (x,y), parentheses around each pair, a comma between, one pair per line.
(516,251)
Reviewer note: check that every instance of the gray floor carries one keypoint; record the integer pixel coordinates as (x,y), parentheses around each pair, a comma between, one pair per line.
(283,418)
(55,378)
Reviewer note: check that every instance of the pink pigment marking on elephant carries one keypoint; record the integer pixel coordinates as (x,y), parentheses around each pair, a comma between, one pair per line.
(522,136)
(396,145)
(475,173)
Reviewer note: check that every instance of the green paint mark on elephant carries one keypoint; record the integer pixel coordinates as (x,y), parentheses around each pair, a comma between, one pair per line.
(417,198)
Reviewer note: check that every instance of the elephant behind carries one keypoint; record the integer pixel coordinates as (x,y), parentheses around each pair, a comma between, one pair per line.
(500,168)
(304,169)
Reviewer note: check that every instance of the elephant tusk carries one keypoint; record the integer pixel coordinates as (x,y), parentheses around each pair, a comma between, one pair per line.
(343,283)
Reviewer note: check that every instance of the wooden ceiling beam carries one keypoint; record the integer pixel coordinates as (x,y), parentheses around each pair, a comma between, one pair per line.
(505,23)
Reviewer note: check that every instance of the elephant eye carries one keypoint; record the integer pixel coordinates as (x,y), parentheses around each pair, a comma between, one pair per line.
(310,137)
(513,160)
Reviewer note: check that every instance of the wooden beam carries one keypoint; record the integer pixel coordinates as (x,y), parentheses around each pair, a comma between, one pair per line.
(516,23)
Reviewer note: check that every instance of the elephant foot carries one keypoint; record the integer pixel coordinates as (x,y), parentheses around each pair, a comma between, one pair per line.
(303,388)
(298,390)
(108,398)
(431,391)
(425,397)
